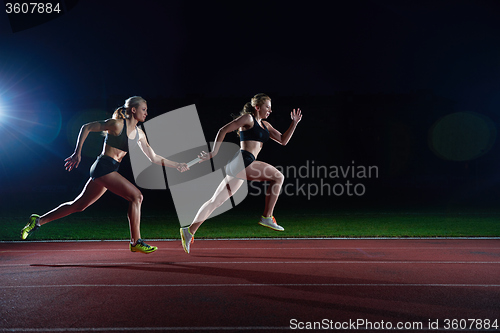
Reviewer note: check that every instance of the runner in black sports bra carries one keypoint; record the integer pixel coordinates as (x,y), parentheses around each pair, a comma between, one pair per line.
(120,141)
(103,175)
(251,142)
(105,164)
(256,133)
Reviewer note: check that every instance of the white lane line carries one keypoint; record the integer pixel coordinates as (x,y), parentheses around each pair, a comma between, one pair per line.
(319,238)
(239,285)
(408,248)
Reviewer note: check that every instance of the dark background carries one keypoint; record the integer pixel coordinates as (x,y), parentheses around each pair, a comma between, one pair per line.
(373,79)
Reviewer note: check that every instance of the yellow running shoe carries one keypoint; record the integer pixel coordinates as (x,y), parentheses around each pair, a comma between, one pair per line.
(31,227)
(187,239)
(140,246)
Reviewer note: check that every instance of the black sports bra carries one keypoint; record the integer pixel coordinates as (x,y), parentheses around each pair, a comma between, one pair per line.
(120,141)
(256,133)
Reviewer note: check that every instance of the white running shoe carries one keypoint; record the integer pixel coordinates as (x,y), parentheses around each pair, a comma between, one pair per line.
(270,222)
(187,239)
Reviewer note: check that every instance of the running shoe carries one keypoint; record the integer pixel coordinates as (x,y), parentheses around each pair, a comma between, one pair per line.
(270,222)
(31,227)
(187,239)
(140,246)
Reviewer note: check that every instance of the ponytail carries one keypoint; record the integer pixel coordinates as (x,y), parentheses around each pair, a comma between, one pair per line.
(247,108)
(120,113)
(123,112)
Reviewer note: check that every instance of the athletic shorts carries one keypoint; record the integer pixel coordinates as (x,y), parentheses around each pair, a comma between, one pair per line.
(235,166)
(102,166)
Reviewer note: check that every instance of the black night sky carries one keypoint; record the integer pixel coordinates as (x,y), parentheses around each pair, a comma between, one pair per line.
(412,87)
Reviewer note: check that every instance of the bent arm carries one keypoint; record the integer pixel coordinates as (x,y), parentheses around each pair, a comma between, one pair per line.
(229,127)
(284,138)
(97,126)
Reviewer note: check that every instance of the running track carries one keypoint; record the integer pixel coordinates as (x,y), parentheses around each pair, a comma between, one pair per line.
(246,285)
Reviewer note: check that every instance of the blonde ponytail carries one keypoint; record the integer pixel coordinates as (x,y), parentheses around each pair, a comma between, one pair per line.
(123,112)
(120,113)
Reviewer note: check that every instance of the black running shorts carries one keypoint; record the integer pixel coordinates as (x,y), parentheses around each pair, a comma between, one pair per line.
(102,166)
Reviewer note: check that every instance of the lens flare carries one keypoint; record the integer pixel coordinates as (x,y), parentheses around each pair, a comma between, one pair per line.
(462,136)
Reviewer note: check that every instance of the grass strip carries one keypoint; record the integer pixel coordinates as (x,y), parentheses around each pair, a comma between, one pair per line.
(243,225)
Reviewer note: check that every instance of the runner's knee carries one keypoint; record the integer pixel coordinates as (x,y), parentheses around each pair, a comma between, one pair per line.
(137,198)
(217,201)
(78,206)
(278,178)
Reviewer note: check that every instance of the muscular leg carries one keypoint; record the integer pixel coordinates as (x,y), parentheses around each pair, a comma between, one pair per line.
(119,185)
(224,191)
(265,172)
(90,193)
(93,190)
(256,171)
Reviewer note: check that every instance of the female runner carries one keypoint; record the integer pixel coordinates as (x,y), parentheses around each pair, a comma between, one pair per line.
(103,173)
(253,132)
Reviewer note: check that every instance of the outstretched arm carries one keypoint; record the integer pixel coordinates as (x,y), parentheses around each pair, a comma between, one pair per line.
(285,137)
(73,161)
(155,158)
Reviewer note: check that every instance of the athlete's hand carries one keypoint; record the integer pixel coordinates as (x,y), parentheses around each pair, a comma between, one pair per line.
(204,156)
(181,167)
(72,162)
(296,115)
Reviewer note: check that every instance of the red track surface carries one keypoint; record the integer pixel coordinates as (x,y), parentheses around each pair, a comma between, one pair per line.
(255,285)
